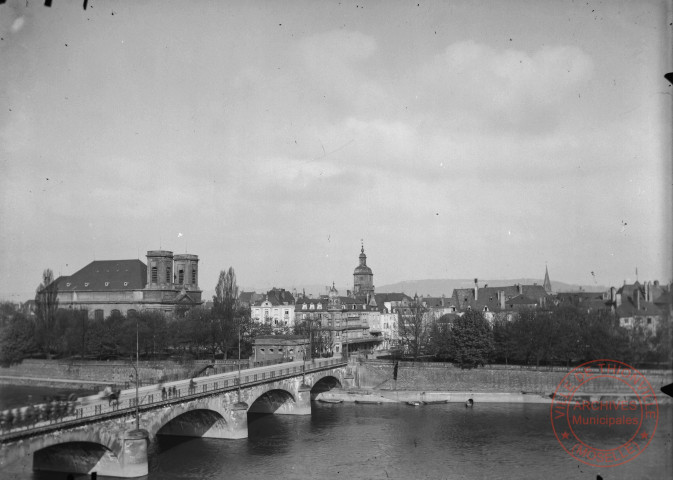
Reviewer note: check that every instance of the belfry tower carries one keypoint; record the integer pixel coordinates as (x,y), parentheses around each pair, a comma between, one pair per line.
(363,277)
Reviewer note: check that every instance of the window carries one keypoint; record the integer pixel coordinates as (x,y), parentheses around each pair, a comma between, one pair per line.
(320,306)
(287,312)
(303,307)
(67,284)
(131,312)
(181,276)
(99,315)
(649,321)
(86,284)
(126,284)
(312,306)
(107,284)
(168,274)
(115,312)
(154,277)
(193,274)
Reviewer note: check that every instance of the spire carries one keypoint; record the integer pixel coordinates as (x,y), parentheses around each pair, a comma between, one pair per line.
(363,257)
(547,282)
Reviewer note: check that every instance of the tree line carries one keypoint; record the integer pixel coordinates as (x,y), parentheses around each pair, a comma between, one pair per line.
(558,336)
(195,333)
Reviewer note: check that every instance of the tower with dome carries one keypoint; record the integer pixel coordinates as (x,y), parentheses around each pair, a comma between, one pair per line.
(363,277)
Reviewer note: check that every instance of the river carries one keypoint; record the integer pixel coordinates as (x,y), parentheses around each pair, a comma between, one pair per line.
(392,441)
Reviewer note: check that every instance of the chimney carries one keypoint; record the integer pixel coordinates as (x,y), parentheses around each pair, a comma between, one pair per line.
(648,292)
(519,287)
(637,294)
(501,295)
(443,298)
(476,289)
(613,292)
(618,300)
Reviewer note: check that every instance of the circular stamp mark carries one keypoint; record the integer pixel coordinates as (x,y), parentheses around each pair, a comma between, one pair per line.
(604,430)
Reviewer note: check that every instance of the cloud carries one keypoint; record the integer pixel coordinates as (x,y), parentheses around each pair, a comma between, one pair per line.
(477,85)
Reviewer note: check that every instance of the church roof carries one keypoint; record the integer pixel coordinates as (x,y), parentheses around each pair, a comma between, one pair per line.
(106,275)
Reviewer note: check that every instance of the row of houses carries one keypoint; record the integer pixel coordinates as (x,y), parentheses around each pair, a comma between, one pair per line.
(360,319)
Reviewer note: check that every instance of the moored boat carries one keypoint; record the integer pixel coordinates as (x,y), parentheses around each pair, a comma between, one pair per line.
(329,400)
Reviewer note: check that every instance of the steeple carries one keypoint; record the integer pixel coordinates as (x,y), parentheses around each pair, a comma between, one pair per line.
(363,257)
(547,282)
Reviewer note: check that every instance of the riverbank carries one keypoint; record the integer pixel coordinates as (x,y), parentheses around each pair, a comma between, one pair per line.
(404,396)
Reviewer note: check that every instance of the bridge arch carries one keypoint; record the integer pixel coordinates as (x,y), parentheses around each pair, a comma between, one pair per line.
(325,383)
(276,400)
(77,457)
(191,422)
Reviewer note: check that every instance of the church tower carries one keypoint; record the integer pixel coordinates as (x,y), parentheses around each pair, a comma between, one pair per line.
(547,283)
(363,277)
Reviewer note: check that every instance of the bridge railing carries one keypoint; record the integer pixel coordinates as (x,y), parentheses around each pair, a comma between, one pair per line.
(18,421)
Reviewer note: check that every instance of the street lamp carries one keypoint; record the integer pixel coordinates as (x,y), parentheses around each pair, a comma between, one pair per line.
(135,367)
(239,362)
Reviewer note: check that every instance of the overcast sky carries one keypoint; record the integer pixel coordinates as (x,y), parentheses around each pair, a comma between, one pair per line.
(458,139)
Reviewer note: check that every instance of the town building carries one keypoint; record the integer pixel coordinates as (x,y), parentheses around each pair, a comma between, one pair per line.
(280,348)
(635,305)
(503,301)
(275,309)
(168,284)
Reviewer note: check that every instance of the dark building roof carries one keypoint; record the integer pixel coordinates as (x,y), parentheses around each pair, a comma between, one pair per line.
(102,275)
(490,297)
(391,297)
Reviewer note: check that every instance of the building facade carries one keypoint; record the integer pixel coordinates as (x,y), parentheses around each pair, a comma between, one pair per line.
(168,284)
(275,309)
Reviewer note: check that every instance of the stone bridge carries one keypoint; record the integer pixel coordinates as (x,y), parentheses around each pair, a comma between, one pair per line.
(108,442)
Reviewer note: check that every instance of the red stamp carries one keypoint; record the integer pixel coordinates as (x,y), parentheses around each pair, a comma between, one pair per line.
(604,430)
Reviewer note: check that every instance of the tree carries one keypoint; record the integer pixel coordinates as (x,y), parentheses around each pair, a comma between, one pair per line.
(17,339)
(414,330)
(440,338)
(225,309)
(472,339)
(46,301)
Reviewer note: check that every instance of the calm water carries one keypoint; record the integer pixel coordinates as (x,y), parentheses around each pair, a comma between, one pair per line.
(393,442)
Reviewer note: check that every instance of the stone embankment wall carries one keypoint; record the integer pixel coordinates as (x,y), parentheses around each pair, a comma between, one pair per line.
(113,372)
(446,377)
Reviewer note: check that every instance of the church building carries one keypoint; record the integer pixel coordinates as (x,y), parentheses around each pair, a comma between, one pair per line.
(168,283)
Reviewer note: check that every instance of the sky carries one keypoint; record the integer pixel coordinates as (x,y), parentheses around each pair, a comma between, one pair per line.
(455,139)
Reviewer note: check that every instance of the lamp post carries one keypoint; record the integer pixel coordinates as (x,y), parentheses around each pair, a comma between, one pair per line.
(135,367)
(239,361)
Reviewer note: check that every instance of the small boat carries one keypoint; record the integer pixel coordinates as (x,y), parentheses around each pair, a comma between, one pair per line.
(329,400)
(369,402)
(414,403)
(435,402)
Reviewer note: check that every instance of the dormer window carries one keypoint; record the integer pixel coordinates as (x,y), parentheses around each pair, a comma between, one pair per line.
(126,284)
(312,307)
(303,307)
(67,284)
(320,306)
(86,284)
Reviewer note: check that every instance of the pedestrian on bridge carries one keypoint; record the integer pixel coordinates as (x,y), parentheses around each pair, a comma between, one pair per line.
(163,393)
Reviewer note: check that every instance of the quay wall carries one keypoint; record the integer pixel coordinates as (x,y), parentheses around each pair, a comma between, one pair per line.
(373,374)
(114,372)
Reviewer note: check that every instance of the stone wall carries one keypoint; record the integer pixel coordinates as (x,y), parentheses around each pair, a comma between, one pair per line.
(115,372)
(446,377)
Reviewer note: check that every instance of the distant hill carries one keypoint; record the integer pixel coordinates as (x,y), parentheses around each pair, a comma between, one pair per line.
(437,287)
